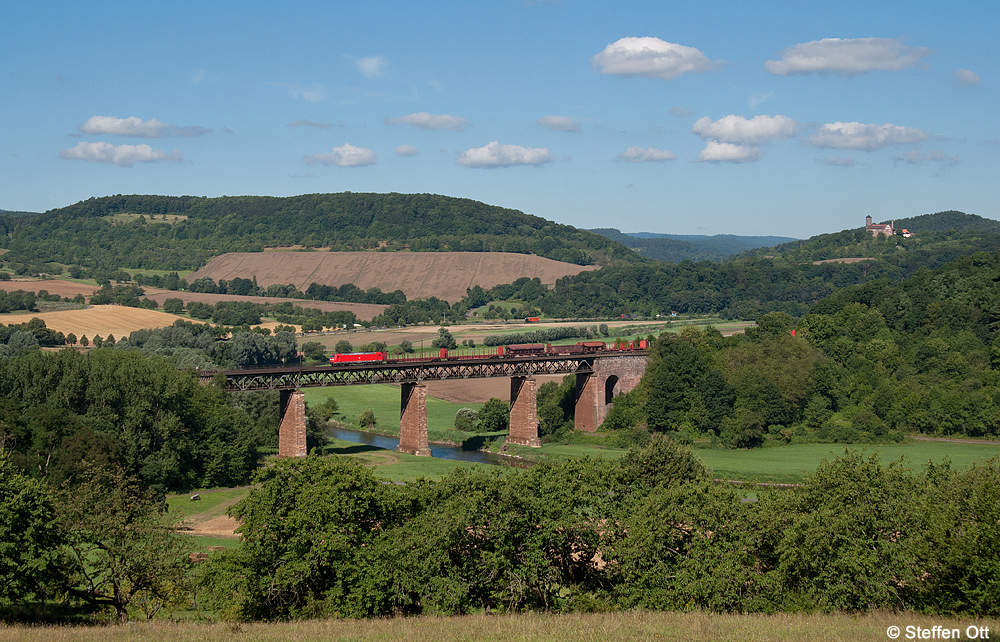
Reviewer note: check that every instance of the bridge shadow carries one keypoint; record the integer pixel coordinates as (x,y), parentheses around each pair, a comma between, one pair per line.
(353,450)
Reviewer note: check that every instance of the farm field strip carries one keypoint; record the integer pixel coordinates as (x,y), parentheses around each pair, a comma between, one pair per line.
(97,320)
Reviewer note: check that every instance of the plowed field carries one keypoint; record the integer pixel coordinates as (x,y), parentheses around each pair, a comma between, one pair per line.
(419,275)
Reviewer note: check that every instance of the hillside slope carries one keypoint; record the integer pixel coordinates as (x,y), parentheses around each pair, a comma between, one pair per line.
(420,275)
(183,232)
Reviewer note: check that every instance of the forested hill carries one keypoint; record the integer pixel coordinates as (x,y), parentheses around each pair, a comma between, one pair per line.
(939,238)
(680,247)
(182,232)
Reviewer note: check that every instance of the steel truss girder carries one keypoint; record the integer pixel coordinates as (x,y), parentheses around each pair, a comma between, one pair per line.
(288,378)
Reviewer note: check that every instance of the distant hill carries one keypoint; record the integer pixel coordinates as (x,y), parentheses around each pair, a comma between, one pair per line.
(16,214)
(183,232)
(679,247)
(936,239)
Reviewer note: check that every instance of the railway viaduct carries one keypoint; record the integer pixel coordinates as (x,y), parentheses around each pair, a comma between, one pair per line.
(600,377)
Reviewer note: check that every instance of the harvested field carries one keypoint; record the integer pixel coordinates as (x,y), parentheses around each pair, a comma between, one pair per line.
(97,320)
(477,390)
(52,286)
(419,275)
(364,311)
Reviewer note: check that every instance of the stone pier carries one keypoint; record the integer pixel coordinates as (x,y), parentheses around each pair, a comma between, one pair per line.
(595,392)
(524,412)
(413,420)
(292,430)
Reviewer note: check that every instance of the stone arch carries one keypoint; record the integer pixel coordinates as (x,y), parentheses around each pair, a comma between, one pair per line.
(609,388)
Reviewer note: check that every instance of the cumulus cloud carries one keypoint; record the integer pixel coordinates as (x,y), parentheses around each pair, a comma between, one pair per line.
(648,155)
(716,152)
(313,93)
(309,123)
(558,123)
(741,131)
(652,58)
(424,120)
(120,155)
(371,66)
(865,137)
(346,156)
(846,56)
(406,150)
(837,161)
(966,78)
(496,155)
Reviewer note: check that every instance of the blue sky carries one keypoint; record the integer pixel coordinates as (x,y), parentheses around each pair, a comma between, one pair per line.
(788,118)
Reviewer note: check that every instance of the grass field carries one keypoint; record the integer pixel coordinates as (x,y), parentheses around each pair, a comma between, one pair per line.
(384,400)
(792,463)
(576,627)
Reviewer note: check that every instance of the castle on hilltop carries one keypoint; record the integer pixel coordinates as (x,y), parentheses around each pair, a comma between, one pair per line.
(878,228)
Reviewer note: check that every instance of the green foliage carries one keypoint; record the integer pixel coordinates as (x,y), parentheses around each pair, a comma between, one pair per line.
(466,420)
(444,340)
(366,420)
(305,531)
(204,227)
(494,416)
(121,547)
(30,538)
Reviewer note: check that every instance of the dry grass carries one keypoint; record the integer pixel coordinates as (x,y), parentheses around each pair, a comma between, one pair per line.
(99,319)
(633,625)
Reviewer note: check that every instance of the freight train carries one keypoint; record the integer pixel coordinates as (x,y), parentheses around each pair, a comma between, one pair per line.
(514,350)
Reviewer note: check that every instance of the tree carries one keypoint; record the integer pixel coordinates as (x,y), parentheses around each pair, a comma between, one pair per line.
(343,347)
(494,416)
(29,536)
(366,419)
(465,419)
(84,341)
(444,340)
(173,306)
(121,544)
(314,351)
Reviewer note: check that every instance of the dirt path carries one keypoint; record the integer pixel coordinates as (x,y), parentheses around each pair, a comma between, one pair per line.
(212,523)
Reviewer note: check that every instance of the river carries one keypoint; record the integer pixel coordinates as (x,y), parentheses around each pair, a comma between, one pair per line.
(437,450)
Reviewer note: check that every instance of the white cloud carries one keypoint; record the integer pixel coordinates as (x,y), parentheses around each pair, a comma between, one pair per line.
(371,66)
(559,123)
(758,98)
(313,93)
(639,155)
(916,157)
(652,58)
(681,112)
(865,137)
(406,150)
(424,120)
(966,78)
(120,155)
(309,123)
(837,161)
(346,156)
(850,57)
(716,152)
(496,155)
(131,126)
(740,131)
